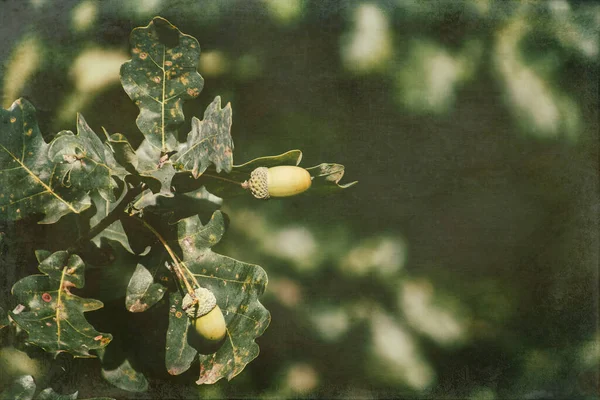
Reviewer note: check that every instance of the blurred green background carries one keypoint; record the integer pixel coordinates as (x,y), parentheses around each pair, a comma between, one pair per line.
(465,262)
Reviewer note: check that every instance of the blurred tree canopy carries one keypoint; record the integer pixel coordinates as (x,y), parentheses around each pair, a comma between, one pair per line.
(465,262)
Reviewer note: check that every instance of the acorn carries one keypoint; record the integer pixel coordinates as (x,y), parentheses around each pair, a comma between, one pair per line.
(207,320)
(280,181)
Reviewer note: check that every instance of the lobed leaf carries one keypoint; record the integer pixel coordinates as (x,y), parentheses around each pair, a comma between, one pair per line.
(85,162)
(160,76)
(208,143)
(54,317)
(29,179)
(236,285)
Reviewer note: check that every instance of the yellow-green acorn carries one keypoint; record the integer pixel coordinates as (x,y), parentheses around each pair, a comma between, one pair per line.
(206,318)
(281,181)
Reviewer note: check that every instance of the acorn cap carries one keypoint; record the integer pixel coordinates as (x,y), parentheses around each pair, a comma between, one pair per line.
(205,304)
(258,183)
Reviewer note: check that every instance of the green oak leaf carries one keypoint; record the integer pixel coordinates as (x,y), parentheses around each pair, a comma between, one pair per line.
(208,142)
(143,292)
(29,182)
(236,285)
(22,388)
(161,75)
(54,317)
(85,162)
(50,394)
(122,375)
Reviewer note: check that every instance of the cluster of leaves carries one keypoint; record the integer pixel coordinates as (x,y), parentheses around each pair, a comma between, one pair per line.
(146,205)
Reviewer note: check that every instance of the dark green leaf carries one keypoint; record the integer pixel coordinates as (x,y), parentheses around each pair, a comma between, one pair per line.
(29,182)
(21,388)
(179,354)
(143,292)
(160,76)
(85,162)
(123,375)
(54,317)
(208,142)
(50,394)
(236,285)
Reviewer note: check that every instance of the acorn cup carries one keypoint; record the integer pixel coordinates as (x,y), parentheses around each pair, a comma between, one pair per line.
(280,181)
(208,328)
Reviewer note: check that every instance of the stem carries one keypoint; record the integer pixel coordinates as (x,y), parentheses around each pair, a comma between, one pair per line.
(178,265)
(111,217)
(223,179)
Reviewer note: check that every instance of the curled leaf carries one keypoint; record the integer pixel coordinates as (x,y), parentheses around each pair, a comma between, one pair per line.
(326,177)
(84,161)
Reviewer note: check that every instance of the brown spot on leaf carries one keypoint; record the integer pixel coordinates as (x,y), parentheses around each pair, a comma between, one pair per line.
(98,337)
(178,314)
(46,297)
(193,92)
(138,306)
(13,120)
(143,55)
